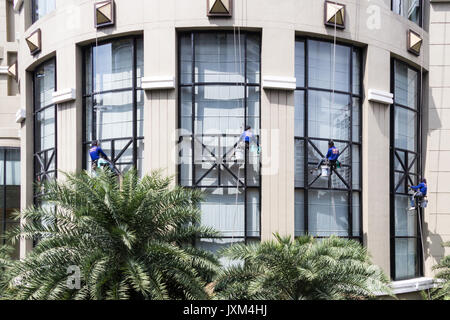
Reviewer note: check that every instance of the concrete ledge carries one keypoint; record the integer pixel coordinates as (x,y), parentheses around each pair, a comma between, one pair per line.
(64,95)
(279,83)
(4,70)
(21,115)
(412,285)
(158,83)
(380,96)
(18,5)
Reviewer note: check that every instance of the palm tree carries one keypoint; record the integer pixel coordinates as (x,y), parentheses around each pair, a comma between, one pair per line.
(5,263)
(442,292)
(121,241)
(300,269)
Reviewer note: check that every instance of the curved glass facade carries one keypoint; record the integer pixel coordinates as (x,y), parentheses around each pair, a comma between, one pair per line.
(114,101)
(327,106)
(219,96)
(406,246)
(45,135)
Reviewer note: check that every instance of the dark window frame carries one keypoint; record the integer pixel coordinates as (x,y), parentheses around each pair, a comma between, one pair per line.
(193,84)
(308,141)
(37,154)
(421,16)
(135,138)
(406,173)
(3,185)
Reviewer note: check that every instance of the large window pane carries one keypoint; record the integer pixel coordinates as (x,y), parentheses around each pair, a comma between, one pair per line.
(299,113)
(224,211)
(219,109)
(406,262)
(219,57)
(328,213)
(323,60)
(113,65)
(113,115)
(406,85)
(44,84)
(299,213)
(405,129)
(329,118)
(405,220)
(300,63)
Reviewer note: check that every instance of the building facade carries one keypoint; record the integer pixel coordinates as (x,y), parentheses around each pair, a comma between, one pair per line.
(173,84)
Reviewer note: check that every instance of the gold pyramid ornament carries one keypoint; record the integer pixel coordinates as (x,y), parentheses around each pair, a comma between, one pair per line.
(34,42)
(414,42)
(12,71)
(334,14)
(104,13)
(219,8)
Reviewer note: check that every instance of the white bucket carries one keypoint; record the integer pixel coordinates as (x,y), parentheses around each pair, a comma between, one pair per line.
(325,171)
(424,203)
(240,155)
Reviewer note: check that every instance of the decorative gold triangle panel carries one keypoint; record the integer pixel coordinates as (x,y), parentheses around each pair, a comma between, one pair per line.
(219,8)
(12,70)
(334,14)
(34,42)
(104,13)
(414,42)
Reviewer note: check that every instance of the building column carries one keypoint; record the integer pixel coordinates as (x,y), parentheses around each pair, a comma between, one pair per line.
(277,133)
(376,159)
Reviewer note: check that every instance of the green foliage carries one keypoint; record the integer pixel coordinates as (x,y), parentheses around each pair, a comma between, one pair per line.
(443,278)
(130,241)
(300,269)
(5,263)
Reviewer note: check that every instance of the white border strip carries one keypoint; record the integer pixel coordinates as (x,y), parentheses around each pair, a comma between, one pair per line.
(64,95)
(279,83)
(412,285)
(158,83)
(381,96)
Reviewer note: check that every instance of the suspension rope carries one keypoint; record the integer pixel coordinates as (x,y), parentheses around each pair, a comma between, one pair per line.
(420,112)
(237,46)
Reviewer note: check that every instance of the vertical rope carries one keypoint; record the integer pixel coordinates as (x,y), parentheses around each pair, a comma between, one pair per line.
(420,113)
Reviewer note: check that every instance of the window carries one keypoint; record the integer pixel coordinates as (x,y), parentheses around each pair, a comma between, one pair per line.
(219,94)
(114,101)
(44,123)
(327,107)
(41,8)
(9,190)
(406,247)
(410,9)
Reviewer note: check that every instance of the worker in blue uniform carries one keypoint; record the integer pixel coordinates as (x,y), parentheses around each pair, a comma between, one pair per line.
(331,157)
(419,194)
(99,157)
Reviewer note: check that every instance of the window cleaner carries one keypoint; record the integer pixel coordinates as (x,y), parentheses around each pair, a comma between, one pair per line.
(96,152)
(419,195)
(330,162)
(247,141)
(99,158)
